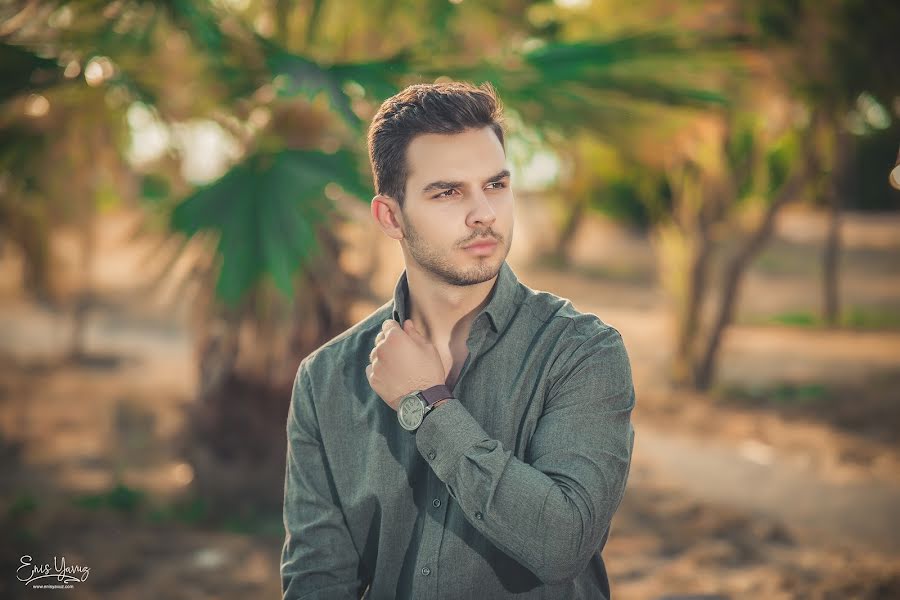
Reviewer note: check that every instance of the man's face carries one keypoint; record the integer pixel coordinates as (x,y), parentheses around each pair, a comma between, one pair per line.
(458,193)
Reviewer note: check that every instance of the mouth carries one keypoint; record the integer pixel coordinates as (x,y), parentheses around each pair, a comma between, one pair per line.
(481,246)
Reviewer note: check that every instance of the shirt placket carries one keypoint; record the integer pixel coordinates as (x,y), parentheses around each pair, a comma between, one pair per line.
(438,495)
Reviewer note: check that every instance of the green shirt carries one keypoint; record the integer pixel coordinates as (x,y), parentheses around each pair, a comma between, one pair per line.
(507,490)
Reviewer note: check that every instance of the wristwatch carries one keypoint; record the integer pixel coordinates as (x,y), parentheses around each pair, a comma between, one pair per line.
(418,403)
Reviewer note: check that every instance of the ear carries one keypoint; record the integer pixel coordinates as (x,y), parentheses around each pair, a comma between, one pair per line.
(386,211)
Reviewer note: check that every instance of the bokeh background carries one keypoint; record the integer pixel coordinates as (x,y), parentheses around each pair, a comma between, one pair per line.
(184,195)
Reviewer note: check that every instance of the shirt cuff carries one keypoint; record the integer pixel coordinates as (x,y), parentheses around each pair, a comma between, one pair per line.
(445,436)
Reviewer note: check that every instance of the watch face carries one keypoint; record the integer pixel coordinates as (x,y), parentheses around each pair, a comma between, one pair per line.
(411,412)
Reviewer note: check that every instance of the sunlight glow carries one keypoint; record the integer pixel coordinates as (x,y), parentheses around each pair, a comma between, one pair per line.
(573,3)
(36,106)
(72,69)
(98,70)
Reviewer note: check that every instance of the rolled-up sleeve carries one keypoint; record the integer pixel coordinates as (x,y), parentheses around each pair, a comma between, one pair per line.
(318,558)
(551,511)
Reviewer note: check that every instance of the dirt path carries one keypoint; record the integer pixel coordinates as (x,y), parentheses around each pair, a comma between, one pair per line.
(862,513)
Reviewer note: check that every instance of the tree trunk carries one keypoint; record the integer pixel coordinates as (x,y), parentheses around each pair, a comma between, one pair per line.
(84,300)
(578,191)
(691,310)
(734,275)
(830,257)
(248,357)
(831,254)
(687,246)
(561,252)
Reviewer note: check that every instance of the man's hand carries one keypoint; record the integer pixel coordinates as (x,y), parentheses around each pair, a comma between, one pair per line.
(403,360)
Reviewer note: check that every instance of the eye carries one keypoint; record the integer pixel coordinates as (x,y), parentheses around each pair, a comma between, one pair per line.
(446,193)
(499,183)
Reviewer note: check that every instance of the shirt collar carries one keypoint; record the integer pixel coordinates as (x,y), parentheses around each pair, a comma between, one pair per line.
(500,307)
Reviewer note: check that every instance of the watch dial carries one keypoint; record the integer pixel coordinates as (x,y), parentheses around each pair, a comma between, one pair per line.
(411,412)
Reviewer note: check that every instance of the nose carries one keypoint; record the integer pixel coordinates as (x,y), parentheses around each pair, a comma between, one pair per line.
(482,213)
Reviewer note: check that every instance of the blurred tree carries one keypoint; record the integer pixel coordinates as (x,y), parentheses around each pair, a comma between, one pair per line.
(838,57)
(61,161)
(719,188)
(820,84)
(718,182)
(645,87)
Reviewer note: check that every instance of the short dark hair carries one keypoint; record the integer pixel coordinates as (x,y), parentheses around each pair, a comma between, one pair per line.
(451,107)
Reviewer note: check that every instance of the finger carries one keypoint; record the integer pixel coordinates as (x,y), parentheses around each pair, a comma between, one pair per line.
(372,354)
(379,338)
(388,324)
(368,371)
(410,328)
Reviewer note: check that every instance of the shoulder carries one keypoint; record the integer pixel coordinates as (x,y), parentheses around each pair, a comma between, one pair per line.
(580,338)
(578,326)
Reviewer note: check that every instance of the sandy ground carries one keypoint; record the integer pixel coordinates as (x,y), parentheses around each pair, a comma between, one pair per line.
(724,498)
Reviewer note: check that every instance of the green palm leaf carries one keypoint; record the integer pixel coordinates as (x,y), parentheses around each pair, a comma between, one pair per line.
(298,75)
(265,210)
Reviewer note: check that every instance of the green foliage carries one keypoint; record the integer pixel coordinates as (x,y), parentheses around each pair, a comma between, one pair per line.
(154,189)
(22,69)
(24,504)
(120,498)
(859,317)
(854,317)
(265,210)
(797,319)
(600,85)
(779,158)
(621,201)
(868,187)
(838,48)
(777,19)
(560,80)
(296,75)
(636,195)
(191,511)
(266,525)
(19,148)
(784,394)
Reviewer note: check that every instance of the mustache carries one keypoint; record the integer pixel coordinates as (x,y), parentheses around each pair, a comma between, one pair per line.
(482,237)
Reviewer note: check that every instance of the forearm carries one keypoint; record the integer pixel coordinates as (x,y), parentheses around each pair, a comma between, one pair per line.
(549,520)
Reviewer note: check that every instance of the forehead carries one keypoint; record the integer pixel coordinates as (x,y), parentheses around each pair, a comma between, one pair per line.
(473,154)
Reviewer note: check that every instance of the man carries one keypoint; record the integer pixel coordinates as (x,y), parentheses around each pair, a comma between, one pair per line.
(501,472)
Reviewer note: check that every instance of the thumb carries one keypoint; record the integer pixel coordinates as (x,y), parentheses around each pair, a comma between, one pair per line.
(410,328)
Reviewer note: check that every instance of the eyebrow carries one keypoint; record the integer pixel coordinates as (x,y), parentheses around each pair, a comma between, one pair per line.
(449,185)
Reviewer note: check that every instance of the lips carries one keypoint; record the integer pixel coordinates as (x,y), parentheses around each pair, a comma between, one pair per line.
(482,244)
(482,248)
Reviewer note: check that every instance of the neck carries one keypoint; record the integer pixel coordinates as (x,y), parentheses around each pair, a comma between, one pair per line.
(444,312)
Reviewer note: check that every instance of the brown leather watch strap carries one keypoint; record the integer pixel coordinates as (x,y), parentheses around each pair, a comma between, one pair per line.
(435,393)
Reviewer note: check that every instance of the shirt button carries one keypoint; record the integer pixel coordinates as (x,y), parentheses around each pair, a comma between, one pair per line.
(431,455)
(436,502)
(478,515)
(426,571)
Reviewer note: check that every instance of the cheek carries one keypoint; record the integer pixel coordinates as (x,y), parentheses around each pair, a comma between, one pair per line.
(506,212)
(440,226)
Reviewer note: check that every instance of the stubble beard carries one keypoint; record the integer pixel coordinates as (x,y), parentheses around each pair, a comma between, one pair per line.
(437,264)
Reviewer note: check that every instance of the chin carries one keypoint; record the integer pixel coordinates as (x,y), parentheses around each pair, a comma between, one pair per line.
(479,269)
